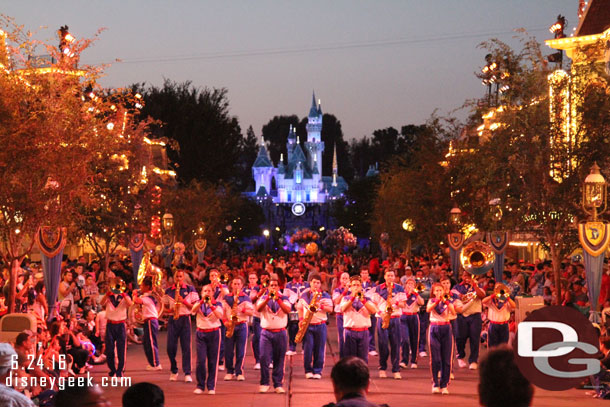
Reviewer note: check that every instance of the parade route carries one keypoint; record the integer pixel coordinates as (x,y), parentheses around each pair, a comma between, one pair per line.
(414,388)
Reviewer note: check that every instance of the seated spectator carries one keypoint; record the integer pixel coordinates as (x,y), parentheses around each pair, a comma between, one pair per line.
(8,396)
(144,395)
(501,384)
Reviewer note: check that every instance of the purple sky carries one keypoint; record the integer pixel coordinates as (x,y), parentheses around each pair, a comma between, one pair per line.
(372,63)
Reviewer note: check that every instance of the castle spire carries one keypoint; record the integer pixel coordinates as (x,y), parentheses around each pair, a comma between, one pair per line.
(335,166)
(313,111)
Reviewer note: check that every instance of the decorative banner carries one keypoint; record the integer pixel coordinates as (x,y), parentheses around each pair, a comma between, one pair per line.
(200,245)
(594,237)
(136,259)
(136,242)
(456,240)
(168,241)
(51,240)
(498,241)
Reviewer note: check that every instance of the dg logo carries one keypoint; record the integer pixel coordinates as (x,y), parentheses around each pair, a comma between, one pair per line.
(556,348)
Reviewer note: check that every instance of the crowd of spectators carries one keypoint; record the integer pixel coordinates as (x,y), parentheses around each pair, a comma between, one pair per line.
(73,329)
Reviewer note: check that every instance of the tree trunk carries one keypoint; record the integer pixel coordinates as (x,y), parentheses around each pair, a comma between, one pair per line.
(13,285)
(556,258)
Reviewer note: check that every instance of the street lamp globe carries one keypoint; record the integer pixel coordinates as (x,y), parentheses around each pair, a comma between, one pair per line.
(594,195)
(455,215)
(266,233)
(408,225)
(168,222)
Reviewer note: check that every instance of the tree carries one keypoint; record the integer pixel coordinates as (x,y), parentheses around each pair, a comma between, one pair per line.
(50,135)
(355,210)
(406,193)
(198,119)
(275,133)
(249,150)
(523,159)
(121,190)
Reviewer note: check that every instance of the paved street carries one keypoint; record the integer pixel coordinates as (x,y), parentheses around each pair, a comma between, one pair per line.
(413,389)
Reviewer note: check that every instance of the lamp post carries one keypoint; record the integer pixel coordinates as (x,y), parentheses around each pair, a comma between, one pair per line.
(408,227)
(456,239)
(558,30)
(266,233)
(167,238)
(594,234)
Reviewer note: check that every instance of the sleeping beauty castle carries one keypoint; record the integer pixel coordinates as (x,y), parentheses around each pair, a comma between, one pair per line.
(295,193)
(299,179)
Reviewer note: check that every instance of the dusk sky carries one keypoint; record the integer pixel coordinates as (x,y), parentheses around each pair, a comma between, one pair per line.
(373,64)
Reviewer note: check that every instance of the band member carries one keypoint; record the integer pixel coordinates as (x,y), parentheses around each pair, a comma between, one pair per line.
(469,321)
(253,290)
(424,316)
(238,307)
(357,309)
(274,308)
(219,291)
(499,306)
(209,314)
(457,304)
(369,289)
(409,322)
(116,304)
(440,308)
(319,303)
(150,315)
(294,288)
(180,299)
(338,294)
(389,338)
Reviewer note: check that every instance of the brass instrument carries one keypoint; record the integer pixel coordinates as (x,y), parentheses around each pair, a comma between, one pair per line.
(207,299)
(273,295)
(117,285)
(177,302)
(385,324)
(224,278)
(147,269)
(309,312)
(230,324)
(501,290)
(446,297)
(477,258)
(265,284)
(420,288)
(360,295)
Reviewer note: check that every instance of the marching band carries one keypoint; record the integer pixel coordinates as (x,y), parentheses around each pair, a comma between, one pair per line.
(278,318)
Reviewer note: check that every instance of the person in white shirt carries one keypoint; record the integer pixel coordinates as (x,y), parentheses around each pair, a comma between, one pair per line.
(499,306)
(150,315)
(116,304)
(236,343)
(357,309)
(209,313)
(274,308)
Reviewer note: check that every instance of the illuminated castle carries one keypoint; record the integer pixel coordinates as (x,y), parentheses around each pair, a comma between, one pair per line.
(299,179)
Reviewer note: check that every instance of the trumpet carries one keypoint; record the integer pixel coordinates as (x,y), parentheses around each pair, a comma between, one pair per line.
(224,278)
(420,287)
(360,295)
(446,297)
(117,285)
(207,299)
(273,295)
(265,284)
(501,290)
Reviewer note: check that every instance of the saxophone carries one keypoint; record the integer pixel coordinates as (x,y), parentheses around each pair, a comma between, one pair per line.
(389,309)
(233,320)
(309,312)
(177,301)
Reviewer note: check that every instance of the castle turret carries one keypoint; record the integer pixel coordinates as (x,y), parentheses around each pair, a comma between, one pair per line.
(314,144)
(263,171)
